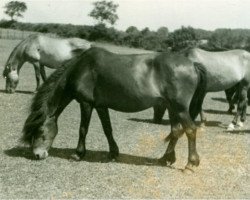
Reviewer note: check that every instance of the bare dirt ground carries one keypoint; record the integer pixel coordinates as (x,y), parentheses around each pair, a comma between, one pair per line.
(223,171)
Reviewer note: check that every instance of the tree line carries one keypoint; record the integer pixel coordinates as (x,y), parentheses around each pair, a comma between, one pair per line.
(160,40)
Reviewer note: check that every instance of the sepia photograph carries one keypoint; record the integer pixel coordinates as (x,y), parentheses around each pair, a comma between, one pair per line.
(124,99)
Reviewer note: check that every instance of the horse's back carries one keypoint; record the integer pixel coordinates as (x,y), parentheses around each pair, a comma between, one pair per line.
(52,52)
(224,69)
(78,43)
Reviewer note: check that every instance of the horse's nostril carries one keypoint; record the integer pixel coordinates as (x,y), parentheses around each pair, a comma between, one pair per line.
(37,156)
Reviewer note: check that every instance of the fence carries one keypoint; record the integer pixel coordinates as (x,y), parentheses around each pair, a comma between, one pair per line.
(17,35)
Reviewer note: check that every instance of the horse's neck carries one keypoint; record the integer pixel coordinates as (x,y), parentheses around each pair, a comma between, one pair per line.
(16,59)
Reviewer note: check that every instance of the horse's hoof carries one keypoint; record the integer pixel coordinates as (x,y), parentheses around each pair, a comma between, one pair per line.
(203,125)
(230,127)
(240,124)
(75,157)
(191,168)
(167,159)
(113,157)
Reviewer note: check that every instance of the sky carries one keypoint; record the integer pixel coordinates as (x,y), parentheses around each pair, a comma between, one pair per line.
(205,14)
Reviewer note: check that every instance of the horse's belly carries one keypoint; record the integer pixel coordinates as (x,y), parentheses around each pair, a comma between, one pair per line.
(220,82)
(131,106)
(124,101)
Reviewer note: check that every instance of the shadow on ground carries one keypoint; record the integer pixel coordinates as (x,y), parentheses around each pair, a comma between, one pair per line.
(213,123)
(240,132)
(167,122)
(150,121)
(220,112)
(91,156)
(220,99)
(19,92)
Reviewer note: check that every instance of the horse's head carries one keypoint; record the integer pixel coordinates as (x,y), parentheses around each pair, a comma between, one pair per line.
(42,141)
(11,76)
(40,134)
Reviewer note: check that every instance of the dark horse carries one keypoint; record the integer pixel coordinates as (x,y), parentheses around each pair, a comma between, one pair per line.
(40,51)
(127,83)
(226,70)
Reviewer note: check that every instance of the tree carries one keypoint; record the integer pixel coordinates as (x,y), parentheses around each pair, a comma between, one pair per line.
(104,12)
(163,32)
(182,38)
(15,9)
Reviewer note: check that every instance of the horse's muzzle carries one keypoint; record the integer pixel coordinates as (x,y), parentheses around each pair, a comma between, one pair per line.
(40,154)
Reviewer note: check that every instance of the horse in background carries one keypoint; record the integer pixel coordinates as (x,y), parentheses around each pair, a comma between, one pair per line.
(100,80)
(226,70)
(232,96)
(40,51)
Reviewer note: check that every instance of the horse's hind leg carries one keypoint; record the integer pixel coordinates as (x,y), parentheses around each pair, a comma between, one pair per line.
(86,111)
(232,97)
(190,129)
(103,114)
(241,109)
(242,106)
(176,132)
(203,118)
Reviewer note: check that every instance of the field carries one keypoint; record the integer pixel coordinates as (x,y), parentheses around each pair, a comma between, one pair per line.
(223,172)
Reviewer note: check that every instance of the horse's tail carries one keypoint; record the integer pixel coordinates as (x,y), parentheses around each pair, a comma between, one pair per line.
(199,95)
(40,107)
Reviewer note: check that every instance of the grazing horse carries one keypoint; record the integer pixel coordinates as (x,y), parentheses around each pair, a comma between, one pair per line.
(226,70)
(40,50)
(128,83)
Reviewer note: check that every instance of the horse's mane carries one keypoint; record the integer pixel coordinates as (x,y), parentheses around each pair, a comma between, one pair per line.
(29,38)
(39,106)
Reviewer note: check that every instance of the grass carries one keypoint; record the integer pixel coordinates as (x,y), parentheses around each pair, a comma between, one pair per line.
(223,171)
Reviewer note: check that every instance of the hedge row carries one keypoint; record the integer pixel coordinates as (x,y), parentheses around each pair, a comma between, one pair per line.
(160,40)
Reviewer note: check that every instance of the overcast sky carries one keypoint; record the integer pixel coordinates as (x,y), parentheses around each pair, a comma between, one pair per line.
(205,14)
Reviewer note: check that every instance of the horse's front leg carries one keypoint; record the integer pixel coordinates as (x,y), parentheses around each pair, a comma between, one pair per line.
(159,111)
(86,111)
(37,73)
(103,114)
(43,73)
